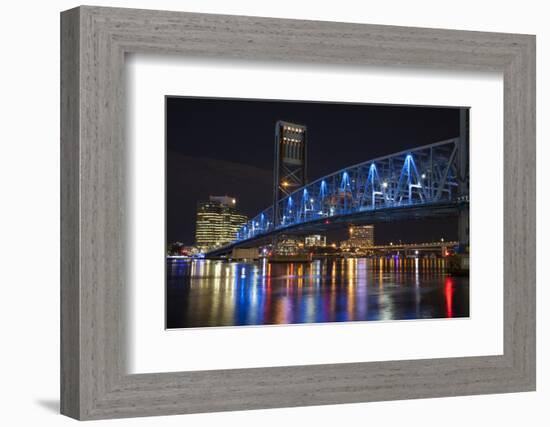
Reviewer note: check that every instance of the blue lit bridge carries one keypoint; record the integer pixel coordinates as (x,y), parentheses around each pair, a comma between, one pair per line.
(427,181)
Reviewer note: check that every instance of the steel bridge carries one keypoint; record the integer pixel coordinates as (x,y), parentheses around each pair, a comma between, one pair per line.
(426,181)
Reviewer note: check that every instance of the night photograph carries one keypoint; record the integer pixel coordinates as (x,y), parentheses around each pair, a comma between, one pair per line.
(292,212)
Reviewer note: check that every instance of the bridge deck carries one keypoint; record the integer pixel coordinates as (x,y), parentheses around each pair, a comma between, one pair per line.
(436,210)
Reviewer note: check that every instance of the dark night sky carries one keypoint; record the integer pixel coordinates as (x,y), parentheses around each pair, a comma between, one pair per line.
(225,146)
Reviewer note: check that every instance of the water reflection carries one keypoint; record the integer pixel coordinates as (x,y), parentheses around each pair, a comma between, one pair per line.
(217,293)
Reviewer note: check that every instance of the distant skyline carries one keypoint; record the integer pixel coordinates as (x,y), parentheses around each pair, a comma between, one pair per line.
(225,147)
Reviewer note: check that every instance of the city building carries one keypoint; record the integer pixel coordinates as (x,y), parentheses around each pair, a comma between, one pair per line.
(288,245)
(315,240)
(361,237)
(217,222)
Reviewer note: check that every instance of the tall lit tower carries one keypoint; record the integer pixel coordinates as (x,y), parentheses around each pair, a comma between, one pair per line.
(463,178)
(290,166)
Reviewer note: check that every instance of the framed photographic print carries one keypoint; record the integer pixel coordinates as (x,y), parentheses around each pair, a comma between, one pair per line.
(262,213)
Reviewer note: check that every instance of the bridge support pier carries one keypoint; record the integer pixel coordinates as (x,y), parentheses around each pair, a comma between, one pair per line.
(464,226)
(463,170)
(245,253)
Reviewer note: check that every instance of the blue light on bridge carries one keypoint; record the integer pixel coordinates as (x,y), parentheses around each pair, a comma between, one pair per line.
(388,182)
(304,206)
(345,181)
(305,196)
(409,183)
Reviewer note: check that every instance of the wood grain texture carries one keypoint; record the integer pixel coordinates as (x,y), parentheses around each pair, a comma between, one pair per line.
(70,333)
(94,381)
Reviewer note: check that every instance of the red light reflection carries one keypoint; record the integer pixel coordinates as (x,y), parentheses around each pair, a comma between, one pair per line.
(449,296)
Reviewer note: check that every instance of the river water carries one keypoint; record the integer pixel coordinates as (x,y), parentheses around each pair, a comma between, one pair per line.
(202,293)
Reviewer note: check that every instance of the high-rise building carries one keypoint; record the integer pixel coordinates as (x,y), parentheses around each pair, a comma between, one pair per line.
(217,222)
(360,237)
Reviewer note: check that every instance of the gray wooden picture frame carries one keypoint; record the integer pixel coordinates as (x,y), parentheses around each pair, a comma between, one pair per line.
(94,381)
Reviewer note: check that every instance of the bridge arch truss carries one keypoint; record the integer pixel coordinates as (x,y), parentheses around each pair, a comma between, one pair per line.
(426,175)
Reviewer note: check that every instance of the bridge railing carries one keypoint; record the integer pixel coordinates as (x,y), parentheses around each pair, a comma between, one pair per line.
(424,175)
